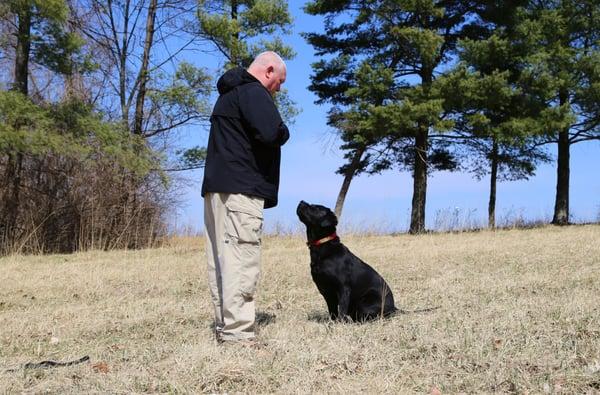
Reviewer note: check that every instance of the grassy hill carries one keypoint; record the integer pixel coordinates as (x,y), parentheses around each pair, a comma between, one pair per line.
(518,312)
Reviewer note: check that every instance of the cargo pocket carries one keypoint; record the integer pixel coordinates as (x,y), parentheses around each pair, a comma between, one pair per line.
(244,229)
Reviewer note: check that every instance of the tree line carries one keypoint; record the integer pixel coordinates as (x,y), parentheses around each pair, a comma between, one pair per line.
(478,86)
(95,96)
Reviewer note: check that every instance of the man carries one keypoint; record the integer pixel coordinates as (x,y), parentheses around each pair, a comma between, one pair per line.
(241,178)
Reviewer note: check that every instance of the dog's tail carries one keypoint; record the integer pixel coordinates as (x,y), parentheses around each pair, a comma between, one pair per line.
(402,311)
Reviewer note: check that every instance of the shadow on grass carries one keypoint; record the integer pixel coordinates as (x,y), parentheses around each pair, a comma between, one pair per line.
(322,317)
(319,316)
(264,318)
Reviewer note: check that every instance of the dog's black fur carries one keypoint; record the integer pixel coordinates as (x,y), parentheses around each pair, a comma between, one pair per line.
(351,288)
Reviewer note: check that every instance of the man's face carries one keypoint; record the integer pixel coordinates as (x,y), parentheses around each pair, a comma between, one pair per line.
(275,78)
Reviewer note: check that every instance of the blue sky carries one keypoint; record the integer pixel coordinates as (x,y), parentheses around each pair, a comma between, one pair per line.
(382,202)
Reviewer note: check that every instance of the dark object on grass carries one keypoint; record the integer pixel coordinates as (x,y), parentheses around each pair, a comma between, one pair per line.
(51,364)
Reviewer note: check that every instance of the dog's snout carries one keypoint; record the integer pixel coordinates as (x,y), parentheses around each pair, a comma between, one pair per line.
(301,209)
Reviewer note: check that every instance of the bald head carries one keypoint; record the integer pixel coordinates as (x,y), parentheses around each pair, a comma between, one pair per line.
(270,70)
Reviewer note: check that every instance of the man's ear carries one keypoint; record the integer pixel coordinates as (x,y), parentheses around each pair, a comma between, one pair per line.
(329,220)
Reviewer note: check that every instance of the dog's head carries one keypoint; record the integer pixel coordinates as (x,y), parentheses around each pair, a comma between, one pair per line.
(317,218)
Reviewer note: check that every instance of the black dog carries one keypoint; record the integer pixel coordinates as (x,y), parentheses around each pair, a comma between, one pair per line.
(351,288)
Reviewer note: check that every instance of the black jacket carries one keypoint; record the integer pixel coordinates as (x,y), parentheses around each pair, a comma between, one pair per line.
(246,133)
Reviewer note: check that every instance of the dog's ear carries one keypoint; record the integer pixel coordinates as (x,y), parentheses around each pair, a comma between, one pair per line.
(329,220)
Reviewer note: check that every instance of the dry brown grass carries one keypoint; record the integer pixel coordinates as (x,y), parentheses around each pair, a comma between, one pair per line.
(518,313)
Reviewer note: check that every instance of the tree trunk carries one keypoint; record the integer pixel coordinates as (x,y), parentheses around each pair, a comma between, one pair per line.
(141,96)
(133,186)
(561,205)
(22,52)
(339,204)
(74,81)
(234,56)
(493,183)
(417,219)
(234,12)
(12,179)
(123,62)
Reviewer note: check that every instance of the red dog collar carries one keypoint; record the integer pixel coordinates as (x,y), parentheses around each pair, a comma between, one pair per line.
(323,240)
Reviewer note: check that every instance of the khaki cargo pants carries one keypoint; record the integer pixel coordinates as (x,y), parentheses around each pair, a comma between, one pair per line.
(233,225)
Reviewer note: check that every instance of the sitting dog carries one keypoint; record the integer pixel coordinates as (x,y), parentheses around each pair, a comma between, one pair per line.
(351,288)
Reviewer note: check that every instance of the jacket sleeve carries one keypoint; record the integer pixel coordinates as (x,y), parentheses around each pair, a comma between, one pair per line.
(261,116)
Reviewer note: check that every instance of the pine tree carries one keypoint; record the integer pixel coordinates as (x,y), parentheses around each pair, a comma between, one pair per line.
(413,41)
(566,35)
(241,29)
(499,112)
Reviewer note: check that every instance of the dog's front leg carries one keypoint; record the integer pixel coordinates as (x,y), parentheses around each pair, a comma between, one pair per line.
(344,304)
(333,308)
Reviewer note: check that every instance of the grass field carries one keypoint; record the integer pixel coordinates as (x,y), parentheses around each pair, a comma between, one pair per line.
(519,312)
